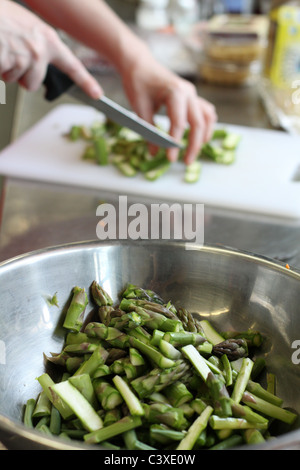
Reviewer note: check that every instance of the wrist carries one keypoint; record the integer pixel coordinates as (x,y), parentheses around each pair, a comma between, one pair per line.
(131,52)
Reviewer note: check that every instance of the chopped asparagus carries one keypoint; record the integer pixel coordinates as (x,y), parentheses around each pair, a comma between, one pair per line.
(107,394)
(130,379)
(74,317)
(123,425)
(132,401)
(28,414)
(242,380)
(268,408)
(193,172)
(211,333)
(79,405)
(195,430)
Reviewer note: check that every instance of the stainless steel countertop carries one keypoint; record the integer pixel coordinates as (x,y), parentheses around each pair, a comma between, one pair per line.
(37,215)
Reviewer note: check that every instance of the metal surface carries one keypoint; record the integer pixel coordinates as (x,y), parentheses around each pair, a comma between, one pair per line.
(235,290)
(35,216)
(126,118)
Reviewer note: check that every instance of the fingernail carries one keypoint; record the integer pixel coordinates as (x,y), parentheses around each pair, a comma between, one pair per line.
(96,92)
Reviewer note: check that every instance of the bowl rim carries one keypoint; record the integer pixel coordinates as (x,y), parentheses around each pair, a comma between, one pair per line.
(188,246)
(16,430)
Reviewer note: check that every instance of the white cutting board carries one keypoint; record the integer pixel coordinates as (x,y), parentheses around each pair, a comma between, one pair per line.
(259,182)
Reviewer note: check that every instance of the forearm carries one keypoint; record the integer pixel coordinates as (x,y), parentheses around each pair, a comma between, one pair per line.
(96,25)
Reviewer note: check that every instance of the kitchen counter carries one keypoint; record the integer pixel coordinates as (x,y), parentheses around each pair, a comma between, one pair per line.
(37,215)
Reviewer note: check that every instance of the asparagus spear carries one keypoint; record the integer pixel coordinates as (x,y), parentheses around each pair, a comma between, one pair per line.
(268,408)
(79,405)
(150,306)
(132,401)
(128,320)
(90,366)
(198,405)
(182,338)
(211,333)
(136,358)
(105,312)
(242,380)
(47,384)
(243,411)
(113,336)
(74,316)
(134,292)
(162,434)
(152,318)
(258,367)
(79,338)
(233,348)
(55,421)
(178,394)
(168,350)
(232,441)
(100,296)
(84,384)
(227,370)
(112,416)
(42,406)
(254,338)
(152,353)
(161,413)
(259,391)
(107,394)
(217,422)
(157,379)
(105,433)
(189,322)
(253,436)
(133,443)
(215,384)
(28,413)
(195,430)
(80,348)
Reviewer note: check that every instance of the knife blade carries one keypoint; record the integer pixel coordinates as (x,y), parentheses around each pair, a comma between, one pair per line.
(57,83)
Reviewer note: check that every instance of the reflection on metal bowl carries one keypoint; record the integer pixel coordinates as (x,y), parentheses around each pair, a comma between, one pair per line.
(235,290)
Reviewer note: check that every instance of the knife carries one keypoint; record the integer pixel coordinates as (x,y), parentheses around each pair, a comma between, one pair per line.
(57,83)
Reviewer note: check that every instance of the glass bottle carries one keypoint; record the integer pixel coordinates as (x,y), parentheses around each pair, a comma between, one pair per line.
(282,62)
(184,14)
(152,14)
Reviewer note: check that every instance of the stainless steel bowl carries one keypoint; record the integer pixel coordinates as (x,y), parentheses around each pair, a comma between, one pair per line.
(234,289)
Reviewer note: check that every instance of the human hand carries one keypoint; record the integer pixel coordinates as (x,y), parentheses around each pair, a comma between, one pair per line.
(28,45)
(149,86)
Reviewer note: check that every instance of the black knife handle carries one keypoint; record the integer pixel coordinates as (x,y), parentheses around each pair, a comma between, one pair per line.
(56,83)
